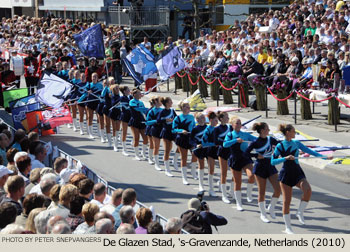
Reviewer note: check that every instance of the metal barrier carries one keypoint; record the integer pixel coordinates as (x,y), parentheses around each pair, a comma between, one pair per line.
(143,16)
(73,162)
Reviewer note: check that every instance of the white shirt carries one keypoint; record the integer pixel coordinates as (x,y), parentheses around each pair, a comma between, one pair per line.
(16,65)
(37,164)
(100,205)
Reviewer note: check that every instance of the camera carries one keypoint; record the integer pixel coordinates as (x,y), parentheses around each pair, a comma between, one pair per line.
(204,206)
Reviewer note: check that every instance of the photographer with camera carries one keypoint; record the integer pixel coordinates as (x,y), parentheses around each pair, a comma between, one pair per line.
(198,219)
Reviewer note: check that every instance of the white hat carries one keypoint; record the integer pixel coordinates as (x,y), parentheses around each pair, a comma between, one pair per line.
(65,174)
(4,171)
(309,61)
(295,59)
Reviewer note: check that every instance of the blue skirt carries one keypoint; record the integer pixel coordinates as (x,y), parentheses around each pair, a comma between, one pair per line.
(92,105)
(264,169)
(237,163)
(148,130)
(291,173)
(99,109)
(223,152)
(212,152)
(125,116)
(137,124)
(114,114)
(167,134)
(201,153)
(183,141)
(156,130)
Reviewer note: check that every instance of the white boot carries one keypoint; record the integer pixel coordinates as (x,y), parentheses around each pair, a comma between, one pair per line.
(167,169)
(124,149)
(102,134)
(288,230)
(156,163)
(98,130)
(117,140)
(249,192)
(89,129)
(176,157)
(144,149)
(271,207)
(75,125)
(119,135)
(219,185)
(300,212)
(263,216)
(201,178)
(115,144)
(69,126)
(238,197)
(211,187)
(150,157)
(81,126)
(232,189)
(224,194)
(193,171)
(137,154)
(109,139)
(184,175)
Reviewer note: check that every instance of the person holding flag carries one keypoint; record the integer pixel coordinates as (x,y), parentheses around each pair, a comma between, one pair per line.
(94,68)
(31,67)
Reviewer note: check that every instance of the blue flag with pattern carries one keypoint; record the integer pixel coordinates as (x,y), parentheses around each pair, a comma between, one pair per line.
(90,42)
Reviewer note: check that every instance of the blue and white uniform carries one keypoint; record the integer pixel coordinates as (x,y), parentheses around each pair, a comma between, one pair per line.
(124,104)
(219,136)
(166,132)
(115,112)
(181,123)
(208,142)
(105,103)
(96,89)
(138,114)
(154,126)
(263,146)
(238,158)
(196,138)
(291,172)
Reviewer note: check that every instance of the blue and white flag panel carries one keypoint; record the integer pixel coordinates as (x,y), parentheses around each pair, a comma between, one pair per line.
(140,64)
(90,42)
(19,113)
(171,62)
(52,90)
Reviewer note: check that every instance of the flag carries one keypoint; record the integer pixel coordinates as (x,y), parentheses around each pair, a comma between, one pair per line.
(22,101)
(52,90)
(19,113)
(44,121)
(11,95)
(140,64)
(90,42)
(170,62)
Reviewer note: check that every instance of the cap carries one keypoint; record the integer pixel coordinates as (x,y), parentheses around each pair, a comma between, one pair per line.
(65,50)
(295,59)
(194,204)
(53,58)
(309,61)
(65,174)
(80,58)
(47,60)
(4,171)
(92,58)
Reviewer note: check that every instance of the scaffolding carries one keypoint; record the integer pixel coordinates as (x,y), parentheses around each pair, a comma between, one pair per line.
(151,22)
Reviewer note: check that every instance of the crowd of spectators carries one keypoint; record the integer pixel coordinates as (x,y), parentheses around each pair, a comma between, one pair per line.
(61,200)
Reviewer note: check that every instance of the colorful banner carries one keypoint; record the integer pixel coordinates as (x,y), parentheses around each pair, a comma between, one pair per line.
(19,114)
(15,94)
(30,99)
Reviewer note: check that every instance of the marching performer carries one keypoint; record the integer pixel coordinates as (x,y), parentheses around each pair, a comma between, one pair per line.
(138,123)
(93,91)
(263,169)
(115,113)
(155,130)
(125,115)
(182,127)
(107,104)
(236,140)
(199,152)
(223,153)
(291,173)
(165,118)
